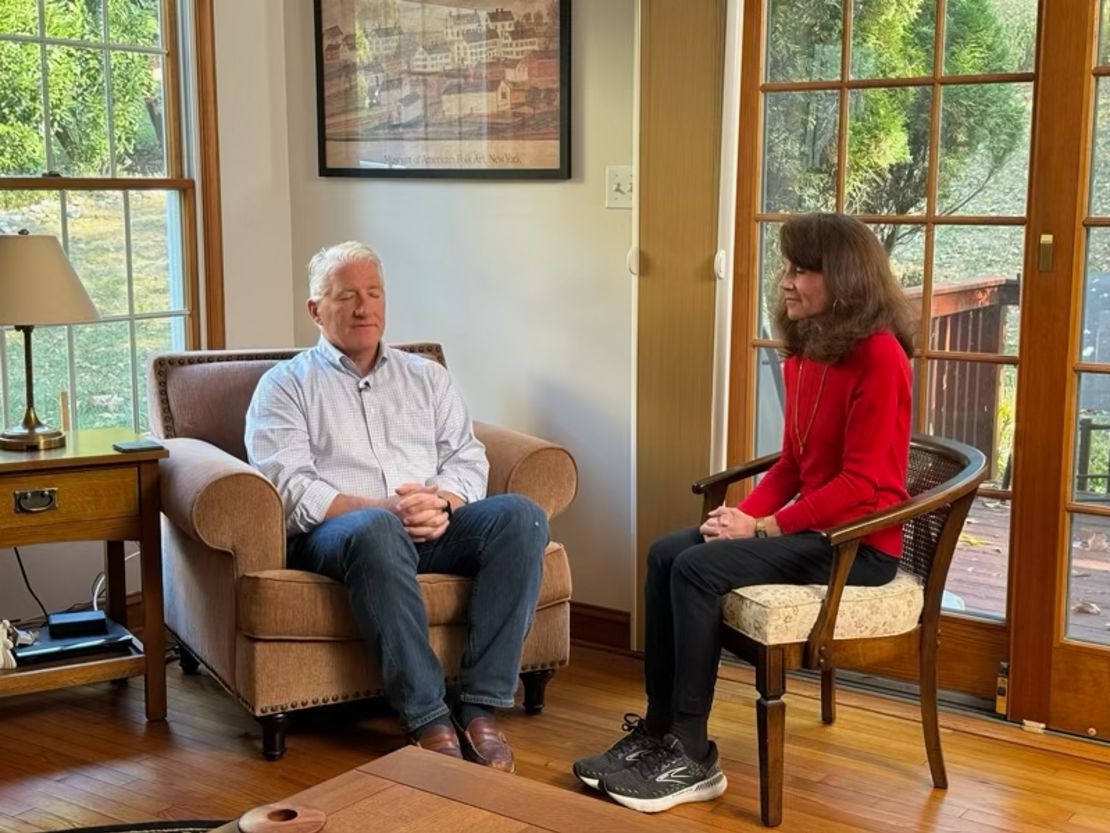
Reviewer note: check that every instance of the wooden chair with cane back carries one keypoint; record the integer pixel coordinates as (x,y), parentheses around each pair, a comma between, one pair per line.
(781,627)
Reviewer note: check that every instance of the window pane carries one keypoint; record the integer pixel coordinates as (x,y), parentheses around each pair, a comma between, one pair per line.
(770,264)
(21,18)
(888,150)
(1089,580)
(1104,34)
(769,399)
(892,40)
(976,288)
(800,151)
(1091,464)
(157,280)
(50,353)
(973,402)
(102,363)
(1095,338)
(36,211)
(905,245)
(75,20)
(803,39)
(984,149)
(97,247)
(134,22)
(989,36)
(78,124)
(154,335)
(980,565)
(22,148)
(138,107)
(1100,161)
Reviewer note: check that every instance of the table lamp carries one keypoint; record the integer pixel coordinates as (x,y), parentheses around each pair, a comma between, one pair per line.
(37,286)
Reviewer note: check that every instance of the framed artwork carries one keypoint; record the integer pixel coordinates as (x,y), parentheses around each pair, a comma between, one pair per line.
(452,88)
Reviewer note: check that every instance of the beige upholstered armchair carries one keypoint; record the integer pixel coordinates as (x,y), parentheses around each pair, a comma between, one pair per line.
(280,640)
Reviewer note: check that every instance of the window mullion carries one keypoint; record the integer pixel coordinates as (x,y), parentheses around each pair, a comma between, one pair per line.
(842,113)
(132,335)
(44,87)
(129,262)
(109,115)
(71,365)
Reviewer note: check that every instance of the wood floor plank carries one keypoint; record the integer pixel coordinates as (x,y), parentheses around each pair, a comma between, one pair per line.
(87,756)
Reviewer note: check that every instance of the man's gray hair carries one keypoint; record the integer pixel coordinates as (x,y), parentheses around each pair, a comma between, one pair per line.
(327,261)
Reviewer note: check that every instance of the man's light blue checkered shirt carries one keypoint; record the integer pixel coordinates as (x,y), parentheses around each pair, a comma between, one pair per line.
(317,428)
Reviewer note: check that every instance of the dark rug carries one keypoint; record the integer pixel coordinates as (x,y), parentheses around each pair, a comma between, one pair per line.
(193,826)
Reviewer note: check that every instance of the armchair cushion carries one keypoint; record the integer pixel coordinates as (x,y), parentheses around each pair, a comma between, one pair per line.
(293,604)
(777,614)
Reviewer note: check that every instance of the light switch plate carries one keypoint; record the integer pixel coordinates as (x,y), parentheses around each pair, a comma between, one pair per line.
(619,187)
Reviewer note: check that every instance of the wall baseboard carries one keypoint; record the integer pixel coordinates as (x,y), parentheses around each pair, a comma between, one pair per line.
(600,627)
(590,625)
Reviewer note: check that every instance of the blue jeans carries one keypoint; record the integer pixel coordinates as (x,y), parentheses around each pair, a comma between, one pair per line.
(498,542)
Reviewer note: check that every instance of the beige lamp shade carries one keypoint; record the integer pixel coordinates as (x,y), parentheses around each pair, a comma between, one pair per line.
(37,284)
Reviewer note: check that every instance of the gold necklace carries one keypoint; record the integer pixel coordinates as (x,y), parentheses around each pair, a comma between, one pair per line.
(800,438)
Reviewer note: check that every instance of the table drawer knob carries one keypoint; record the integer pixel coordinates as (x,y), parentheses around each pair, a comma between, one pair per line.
(35,500)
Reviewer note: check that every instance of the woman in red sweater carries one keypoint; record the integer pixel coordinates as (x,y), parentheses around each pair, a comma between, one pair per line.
(847,332)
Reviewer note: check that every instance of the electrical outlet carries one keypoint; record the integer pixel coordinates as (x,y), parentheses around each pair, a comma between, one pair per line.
(619,187)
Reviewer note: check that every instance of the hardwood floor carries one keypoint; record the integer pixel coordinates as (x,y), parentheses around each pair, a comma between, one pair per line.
(85,756)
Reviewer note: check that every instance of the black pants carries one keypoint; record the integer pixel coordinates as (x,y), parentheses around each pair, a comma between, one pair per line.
(686,578)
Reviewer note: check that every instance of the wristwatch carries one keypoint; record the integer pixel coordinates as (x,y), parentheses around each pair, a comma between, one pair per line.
(447,508)
(760,528)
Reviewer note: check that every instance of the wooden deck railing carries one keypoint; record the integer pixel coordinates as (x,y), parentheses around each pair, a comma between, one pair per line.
(962,398)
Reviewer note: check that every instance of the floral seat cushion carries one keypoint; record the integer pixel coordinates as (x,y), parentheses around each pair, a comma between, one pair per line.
(774,614)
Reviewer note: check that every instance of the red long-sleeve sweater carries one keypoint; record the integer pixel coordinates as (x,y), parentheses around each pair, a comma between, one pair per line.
(854,456)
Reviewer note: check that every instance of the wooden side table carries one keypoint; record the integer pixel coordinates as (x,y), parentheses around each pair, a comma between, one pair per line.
(97,494)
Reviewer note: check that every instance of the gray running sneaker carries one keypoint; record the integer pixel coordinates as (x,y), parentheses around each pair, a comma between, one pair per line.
(621,755)
(666,777)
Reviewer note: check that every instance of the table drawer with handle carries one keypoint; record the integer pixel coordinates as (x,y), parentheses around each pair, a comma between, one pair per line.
(31,500)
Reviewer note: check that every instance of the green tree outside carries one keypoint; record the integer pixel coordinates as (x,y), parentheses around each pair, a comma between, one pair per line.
(78,79)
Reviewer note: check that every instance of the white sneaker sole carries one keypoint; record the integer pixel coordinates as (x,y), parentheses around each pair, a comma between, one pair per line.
(706,790)
(592,783)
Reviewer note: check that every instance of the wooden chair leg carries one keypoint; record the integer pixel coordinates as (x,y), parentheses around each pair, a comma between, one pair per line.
(535,683)
(828,695)
(770,713)
(930,725)
(273,735)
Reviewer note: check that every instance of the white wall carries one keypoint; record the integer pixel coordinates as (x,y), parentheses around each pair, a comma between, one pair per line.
(523,282)
(254,173)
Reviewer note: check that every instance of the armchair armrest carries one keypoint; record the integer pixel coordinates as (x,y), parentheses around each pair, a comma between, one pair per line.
(222,502)
(714,487)
(958,492)
(536,468)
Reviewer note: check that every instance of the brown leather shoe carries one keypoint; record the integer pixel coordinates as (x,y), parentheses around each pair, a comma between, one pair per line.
(439,738)
(484,745)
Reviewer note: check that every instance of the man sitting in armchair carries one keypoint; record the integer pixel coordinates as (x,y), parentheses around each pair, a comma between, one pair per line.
(381,477)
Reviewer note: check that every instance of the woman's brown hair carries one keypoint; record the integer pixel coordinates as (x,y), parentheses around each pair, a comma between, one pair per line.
(864,297)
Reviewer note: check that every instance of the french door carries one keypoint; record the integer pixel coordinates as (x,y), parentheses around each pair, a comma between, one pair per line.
(949,126)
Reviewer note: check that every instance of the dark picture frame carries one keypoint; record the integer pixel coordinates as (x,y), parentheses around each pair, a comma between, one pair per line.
(472,89)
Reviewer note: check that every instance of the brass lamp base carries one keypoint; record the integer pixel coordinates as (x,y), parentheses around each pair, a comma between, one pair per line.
(31,435)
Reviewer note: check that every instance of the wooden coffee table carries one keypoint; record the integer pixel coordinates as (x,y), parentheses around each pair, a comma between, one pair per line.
(413,789)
